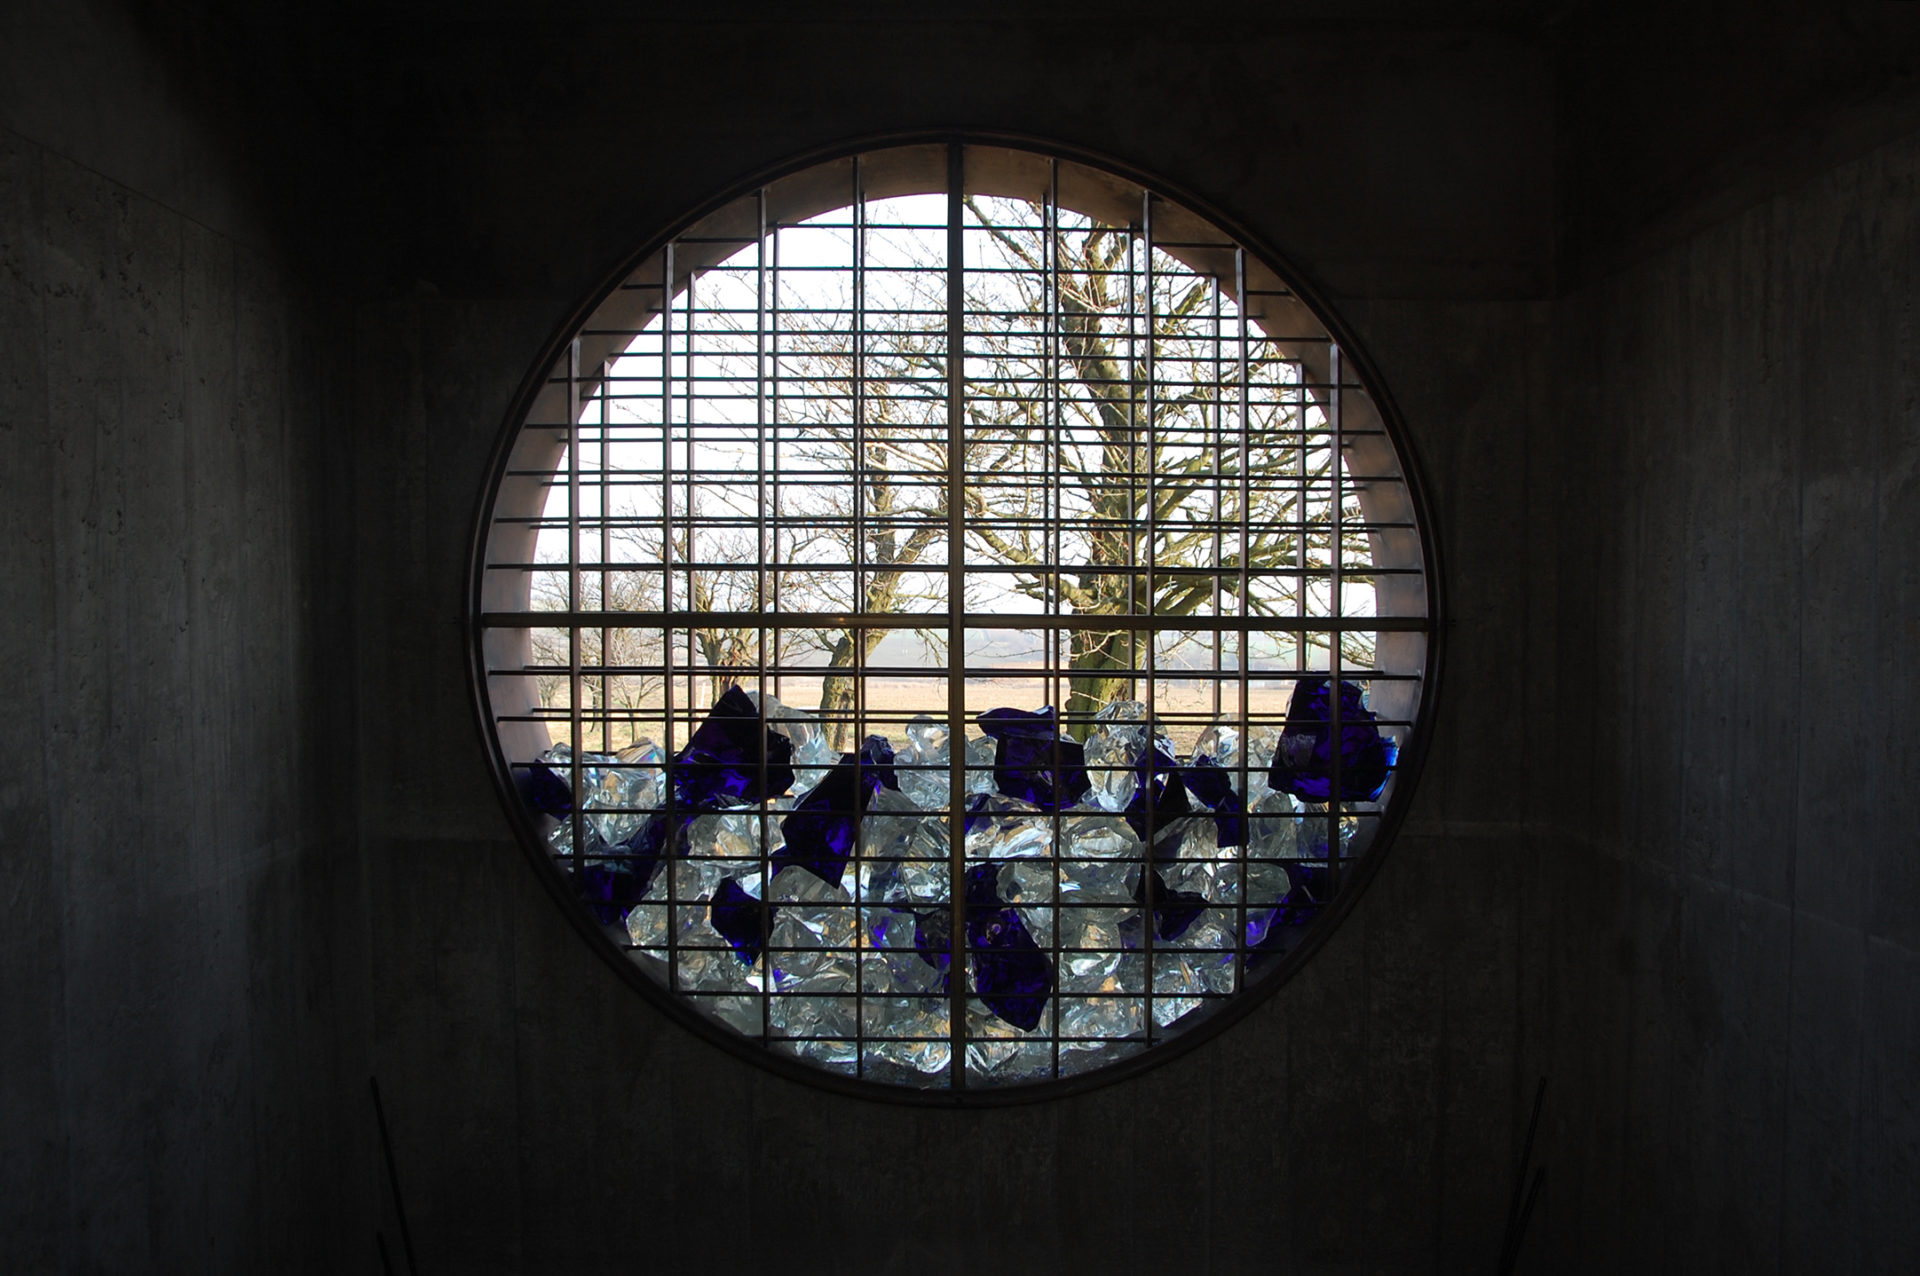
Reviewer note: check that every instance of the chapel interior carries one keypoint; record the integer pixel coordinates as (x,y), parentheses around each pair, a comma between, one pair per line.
(1643,281)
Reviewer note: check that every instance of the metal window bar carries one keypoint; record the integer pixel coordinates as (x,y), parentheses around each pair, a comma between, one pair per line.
(956,633)
(1165,358)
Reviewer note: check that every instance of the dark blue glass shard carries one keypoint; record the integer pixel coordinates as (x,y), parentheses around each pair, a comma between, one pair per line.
(544,791)
(1259,924)
(1011,976)
(1269,929)
(977,816)
(647,845)
(1309,891)
(741,920)
(1303,760)
(610,890)
(1010,973)
(1160,798)
(722,762)
(933,940)
(876,764)
(1174,912)
(1211,783)
(821,832)
(1033,761)
(983,886)
(615,878)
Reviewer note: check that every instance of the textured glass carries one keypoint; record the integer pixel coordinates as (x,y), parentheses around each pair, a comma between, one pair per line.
(1303,761)
(723,763)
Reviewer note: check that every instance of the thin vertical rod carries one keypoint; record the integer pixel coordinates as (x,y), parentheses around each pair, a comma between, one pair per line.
(668,745)
(393,1181)
(1335,374)
(1212,435)
(1052,506)
(772,322)
(687,512)
(860,599)
(606,553)
(1242,304)
(575,682)
(956,633)
(760,568)
(1144,390)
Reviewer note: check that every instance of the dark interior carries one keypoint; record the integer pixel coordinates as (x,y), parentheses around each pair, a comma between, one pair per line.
(1642,280)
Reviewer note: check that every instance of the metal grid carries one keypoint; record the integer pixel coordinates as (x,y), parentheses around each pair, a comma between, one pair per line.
(1125,487)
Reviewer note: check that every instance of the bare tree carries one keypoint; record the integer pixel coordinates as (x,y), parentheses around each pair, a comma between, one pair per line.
(1135,446)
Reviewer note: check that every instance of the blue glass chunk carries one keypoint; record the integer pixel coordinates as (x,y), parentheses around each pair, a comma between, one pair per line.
(741,920)
(933,940)
(1303,760)
(1159,797)
(1210,782)
(876,764)
(977,816)
(1267,929)
(615,878)
(1173,911)
(722,762)
(822,829)
(646,846)
(1032,761)
(1012,977)
(610,888)
(544,791)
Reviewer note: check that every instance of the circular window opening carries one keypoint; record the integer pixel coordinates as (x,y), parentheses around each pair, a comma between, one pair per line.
(953,620)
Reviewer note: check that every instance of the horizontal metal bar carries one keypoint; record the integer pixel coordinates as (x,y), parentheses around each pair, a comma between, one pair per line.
(940,619)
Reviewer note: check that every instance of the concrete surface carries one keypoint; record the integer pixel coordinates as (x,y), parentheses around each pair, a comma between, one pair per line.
(1643,289)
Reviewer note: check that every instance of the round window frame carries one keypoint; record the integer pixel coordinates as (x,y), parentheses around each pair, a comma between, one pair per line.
(1229,1011)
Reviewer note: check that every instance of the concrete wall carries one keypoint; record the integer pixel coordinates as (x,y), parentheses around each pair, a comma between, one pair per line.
(545,1117)
(1735,973)
(272,279)
(179,992)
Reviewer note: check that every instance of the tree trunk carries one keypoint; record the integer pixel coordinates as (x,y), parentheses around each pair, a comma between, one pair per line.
(1102,672)
(836,690)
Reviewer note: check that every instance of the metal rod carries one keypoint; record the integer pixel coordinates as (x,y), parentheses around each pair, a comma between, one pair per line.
(606,553)
(668,745)
(1245,661)
(393,1179)
(934,620)
(575,743)
(956,631)
(764,830)
(1336,740)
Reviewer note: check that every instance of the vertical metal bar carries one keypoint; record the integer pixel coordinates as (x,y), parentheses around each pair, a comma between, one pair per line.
(1335,375)
(860,598)
(1056,638)
(760,563)
(1133,476)
(1243,304)
(393,1180)
(1145,392)
(576,774)
(668,746)
(606,552)
(772,324)
(1212,461)
(956,607)
(687,511)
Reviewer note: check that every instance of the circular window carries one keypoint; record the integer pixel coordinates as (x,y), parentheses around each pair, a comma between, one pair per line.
(952,620)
